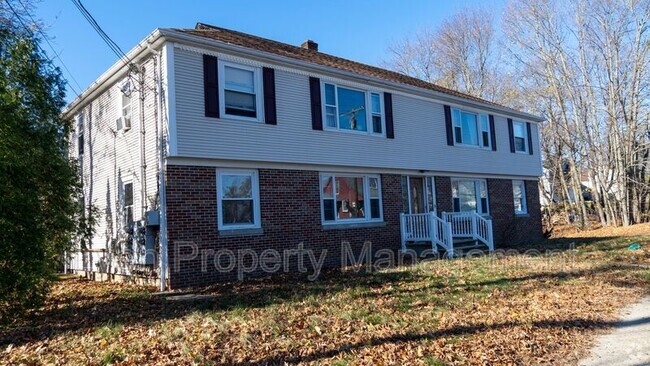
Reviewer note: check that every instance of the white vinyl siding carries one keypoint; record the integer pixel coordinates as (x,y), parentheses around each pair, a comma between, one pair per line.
(110,161)
(420,141)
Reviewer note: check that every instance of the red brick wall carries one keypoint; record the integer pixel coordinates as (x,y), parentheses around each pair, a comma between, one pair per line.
(444,202)
(291,214)
(509,228)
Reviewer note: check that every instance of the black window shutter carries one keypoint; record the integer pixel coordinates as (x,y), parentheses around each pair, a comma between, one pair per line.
(211,86)
(388,108)
(530,138)
(450,127)
(316,111)
(493,135)
(270,114)
(511,132)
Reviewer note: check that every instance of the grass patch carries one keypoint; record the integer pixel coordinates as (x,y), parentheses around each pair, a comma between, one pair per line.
(109,330)
(513,309)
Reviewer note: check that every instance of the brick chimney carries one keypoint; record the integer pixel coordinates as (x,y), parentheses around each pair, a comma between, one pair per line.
(309,45)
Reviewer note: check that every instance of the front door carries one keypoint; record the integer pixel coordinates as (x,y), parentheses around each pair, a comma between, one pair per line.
(418,194)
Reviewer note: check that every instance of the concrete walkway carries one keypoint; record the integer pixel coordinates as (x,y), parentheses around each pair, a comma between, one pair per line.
(628,344)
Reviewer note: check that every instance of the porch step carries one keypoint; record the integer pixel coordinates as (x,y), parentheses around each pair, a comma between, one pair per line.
(462,244)
(464,241)
(419,246)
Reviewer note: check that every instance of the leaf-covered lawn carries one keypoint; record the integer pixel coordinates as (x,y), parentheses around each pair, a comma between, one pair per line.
(518,309)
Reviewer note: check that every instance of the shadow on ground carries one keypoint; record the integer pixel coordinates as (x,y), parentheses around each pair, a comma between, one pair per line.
(85,312)
(451,332)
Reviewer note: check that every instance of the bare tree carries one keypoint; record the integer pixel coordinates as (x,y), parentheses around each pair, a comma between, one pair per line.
(460,54)
(583,64)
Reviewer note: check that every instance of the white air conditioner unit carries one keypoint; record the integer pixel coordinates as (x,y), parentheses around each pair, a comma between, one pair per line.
(123,124)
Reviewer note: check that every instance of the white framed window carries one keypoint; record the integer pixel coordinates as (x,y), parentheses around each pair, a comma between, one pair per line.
(127,200)
(470,195)
(240,95)
(471,129)
(346,109)
(521,136)
(238,200)
(80,134)
(519,195)
(123,122)
(350,198)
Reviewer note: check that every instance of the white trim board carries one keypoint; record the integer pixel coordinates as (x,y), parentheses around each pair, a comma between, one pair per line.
(237,164)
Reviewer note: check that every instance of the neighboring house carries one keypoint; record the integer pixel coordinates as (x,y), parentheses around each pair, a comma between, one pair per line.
(223,140)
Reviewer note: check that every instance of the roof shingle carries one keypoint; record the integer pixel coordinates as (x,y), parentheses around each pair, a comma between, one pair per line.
(320,58)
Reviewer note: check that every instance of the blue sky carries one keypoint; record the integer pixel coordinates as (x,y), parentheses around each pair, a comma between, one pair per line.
(359,30)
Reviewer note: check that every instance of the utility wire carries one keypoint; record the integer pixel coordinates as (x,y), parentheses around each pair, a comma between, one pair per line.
(29,30)
(51,46)
(112,45)
(107,39)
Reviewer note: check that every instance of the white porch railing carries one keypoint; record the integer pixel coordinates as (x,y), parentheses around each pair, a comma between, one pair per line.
(427,227)
(470,225)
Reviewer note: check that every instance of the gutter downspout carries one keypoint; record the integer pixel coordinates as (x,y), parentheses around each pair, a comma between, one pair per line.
(142,142)
(162,163)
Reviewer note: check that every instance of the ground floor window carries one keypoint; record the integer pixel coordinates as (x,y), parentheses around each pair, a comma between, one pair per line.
(238,199)
(350,197)
(128,204)
(418,194)
(519,195)
(470,195)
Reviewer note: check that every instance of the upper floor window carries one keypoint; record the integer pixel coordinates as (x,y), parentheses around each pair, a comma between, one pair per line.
(240,91)
(521,136)
(350,197)
(470,195)
(124,121)
(80,134)
(519,195)
(347,109)
(238,199)
(471,129)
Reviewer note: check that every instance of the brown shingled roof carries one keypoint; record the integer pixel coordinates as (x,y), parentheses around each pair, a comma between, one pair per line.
(320,58)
